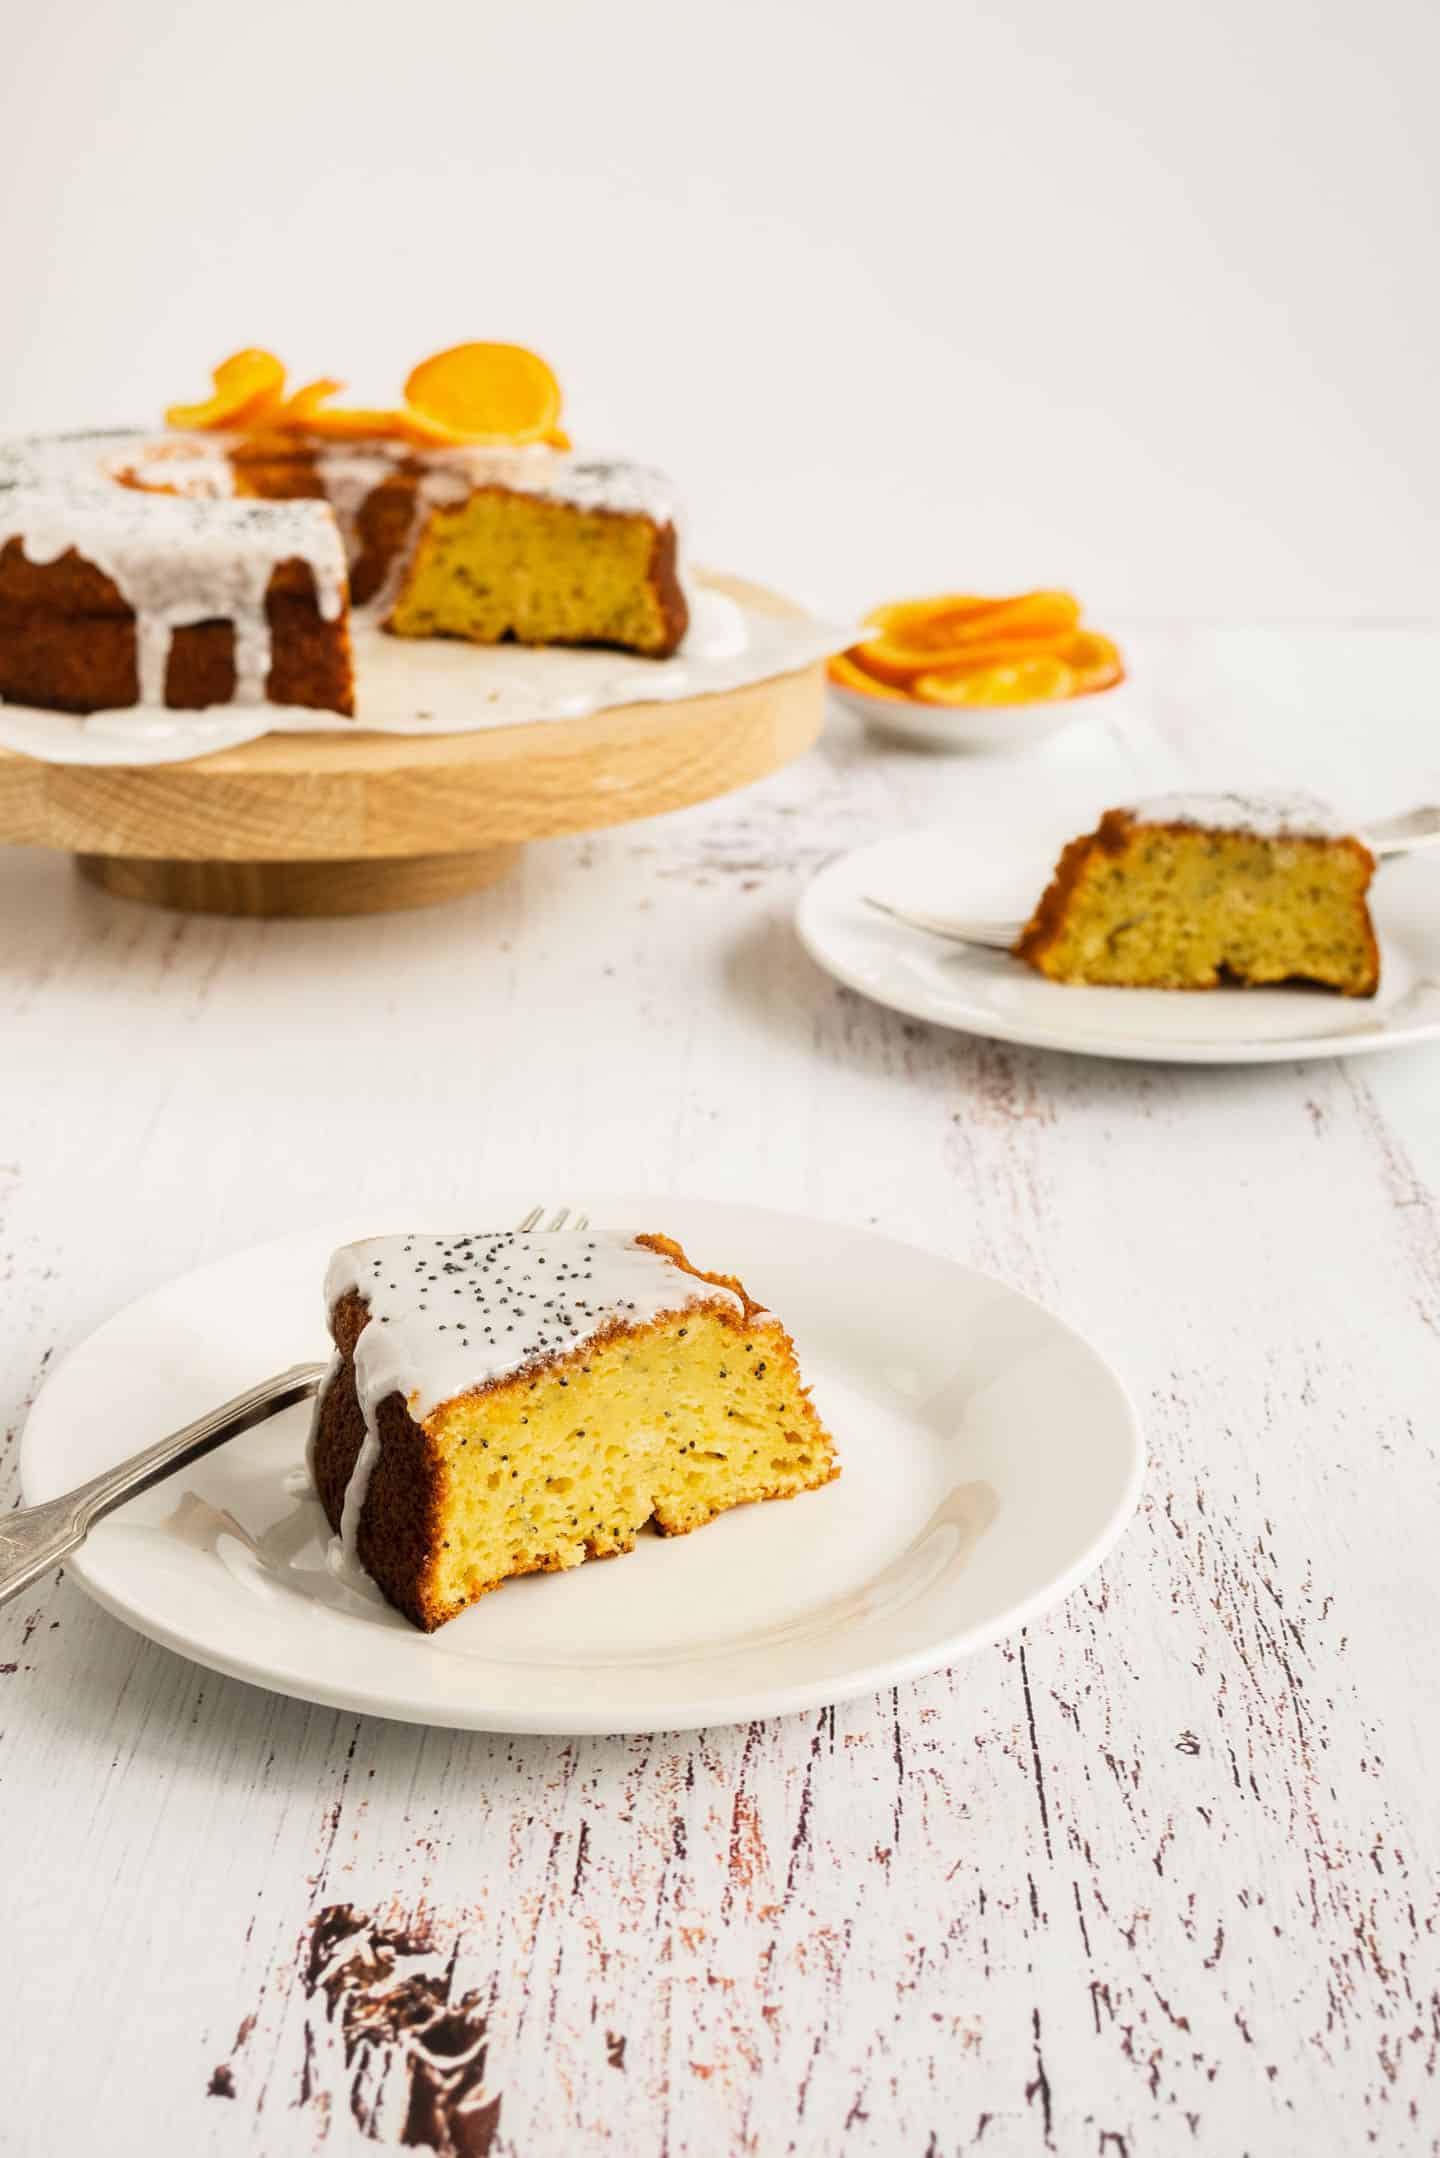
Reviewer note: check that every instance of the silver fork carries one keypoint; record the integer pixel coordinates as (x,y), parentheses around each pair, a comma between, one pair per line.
(990,936)
(35,1538)
(1385,837)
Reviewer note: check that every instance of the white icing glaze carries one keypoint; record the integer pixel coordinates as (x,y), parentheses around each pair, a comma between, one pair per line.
(450,1314)
(174,559)
(449,475)
(1269,813)
(199,553)
(347,479)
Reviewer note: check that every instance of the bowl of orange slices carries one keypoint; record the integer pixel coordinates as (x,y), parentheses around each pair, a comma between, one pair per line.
(962,672)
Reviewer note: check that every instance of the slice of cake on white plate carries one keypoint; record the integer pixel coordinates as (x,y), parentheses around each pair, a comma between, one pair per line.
(1189,891)
(504,1403)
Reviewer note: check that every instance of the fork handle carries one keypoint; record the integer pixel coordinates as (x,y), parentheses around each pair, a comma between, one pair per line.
(35,1538)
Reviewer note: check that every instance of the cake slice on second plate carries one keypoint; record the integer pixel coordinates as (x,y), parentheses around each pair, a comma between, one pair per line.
(1187,891)
(508,1403)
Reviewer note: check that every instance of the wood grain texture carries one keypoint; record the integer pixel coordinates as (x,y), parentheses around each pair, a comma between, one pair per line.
(1156,1876)
(368,886)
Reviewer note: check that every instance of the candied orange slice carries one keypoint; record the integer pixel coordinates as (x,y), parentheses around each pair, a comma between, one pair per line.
(939,625)
(352,423)
(301,405)
(1094,661)
(902,616)
(845,671)
(1039,679)
(309,411)
(248,386)
(482,393)
(904,664)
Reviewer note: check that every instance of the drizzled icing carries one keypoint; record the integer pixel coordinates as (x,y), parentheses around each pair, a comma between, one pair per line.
(1269,813)
(199,553)
(174,559)
(449,475)
(449,1315)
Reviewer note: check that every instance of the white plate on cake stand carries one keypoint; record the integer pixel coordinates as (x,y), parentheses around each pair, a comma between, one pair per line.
(996,876)
(990,1458)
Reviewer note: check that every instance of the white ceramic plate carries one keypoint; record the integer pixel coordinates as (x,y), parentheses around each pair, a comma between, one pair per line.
(993,727)
(970,874)
(990,1459)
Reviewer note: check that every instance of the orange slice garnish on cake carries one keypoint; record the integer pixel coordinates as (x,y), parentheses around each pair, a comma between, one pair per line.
(309,410)
(482,393)
(248,387)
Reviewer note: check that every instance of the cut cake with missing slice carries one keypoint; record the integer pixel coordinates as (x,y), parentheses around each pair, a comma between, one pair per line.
(506,1403)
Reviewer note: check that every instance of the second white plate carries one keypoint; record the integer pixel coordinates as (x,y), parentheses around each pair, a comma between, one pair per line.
(989,1460)
(967,873)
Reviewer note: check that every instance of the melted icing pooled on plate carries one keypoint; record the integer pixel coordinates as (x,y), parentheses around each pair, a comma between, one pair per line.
(451,1314)
(1270,814)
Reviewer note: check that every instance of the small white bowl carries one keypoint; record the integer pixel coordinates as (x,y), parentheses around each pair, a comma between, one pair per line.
(978,726)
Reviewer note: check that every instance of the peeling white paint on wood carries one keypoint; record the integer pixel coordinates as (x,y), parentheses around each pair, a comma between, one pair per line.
(1158,1876)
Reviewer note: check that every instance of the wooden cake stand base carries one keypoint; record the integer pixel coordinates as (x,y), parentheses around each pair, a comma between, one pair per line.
(333,824)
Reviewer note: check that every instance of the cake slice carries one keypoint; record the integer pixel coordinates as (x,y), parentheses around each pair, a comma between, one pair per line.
(506,1403)
(507,567)
(523,544)
(1185,892)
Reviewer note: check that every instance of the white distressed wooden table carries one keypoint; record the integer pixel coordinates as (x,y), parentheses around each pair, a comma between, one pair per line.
(1156,1876)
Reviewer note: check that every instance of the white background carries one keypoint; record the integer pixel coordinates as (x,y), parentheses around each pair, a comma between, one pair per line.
(1132,296)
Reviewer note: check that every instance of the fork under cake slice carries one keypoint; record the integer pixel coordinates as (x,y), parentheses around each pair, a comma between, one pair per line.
(1187,891)
(506,1403)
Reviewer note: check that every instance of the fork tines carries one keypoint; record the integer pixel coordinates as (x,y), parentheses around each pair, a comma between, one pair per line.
(557,1220)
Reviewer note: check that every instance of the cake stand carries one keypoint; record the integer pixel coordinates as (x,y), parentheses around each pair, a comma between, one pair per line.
(340,824)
